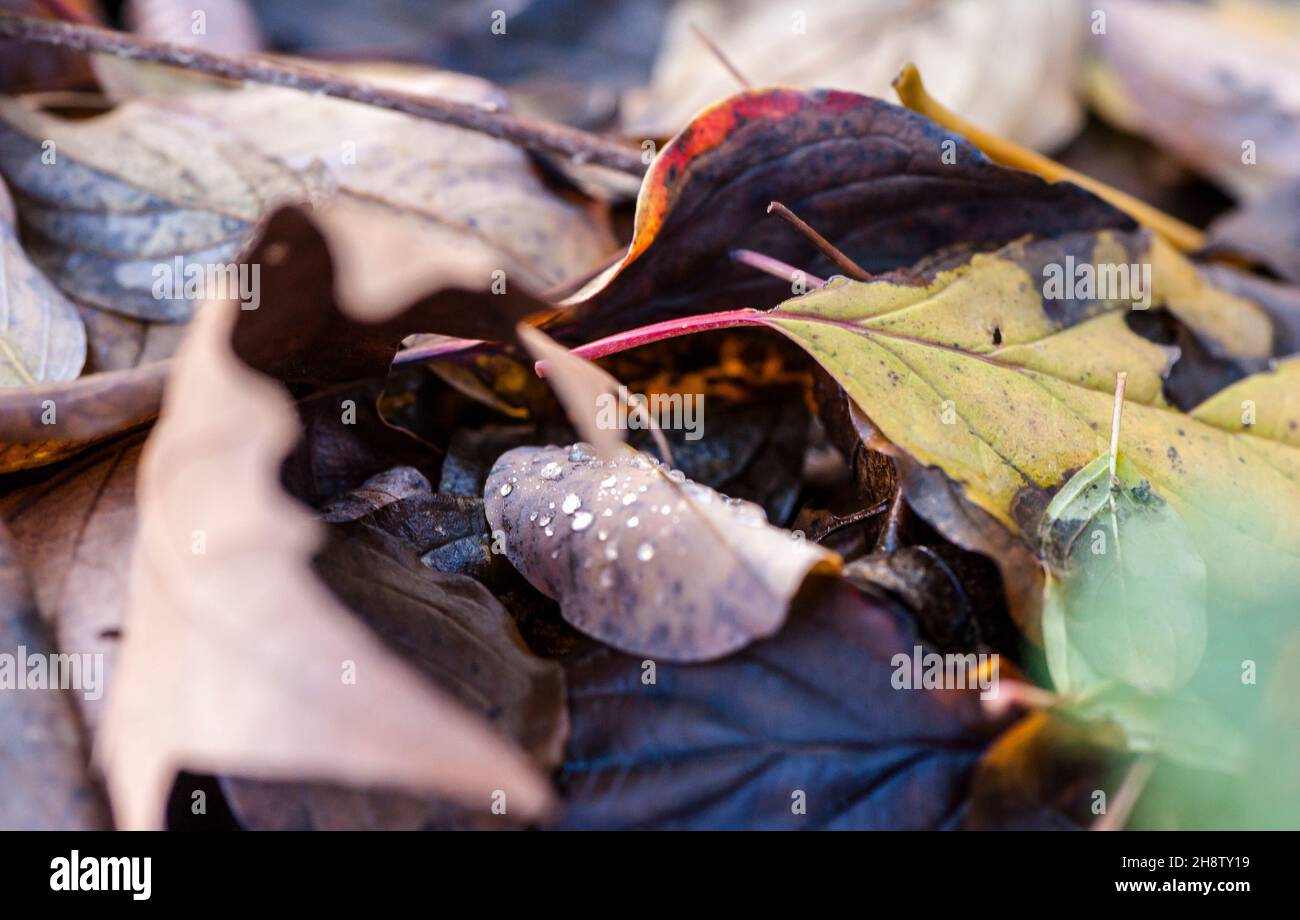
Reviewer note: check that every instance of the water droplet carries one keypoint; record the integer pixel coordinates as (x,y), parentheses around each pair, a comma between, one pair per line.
(552,470)
(578,453)
(550,532)
(602,535)
(629,498)
(607,578)
(677,476)
(546,519)
(665,510)
(611,551)
(533,516)
(608,512)
(645,552)
(571,503)
(581,520)
(609,483)
(633,521)
(506,488)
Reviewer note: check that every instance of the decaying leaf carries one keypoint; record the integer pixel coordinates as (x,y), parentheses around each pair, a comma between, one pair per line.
(164,190)
(588,395)
(885,185)
(452,630)
(252,650)
(73,533)
(1006,398)
(811,716)
(47,780)
(1215,83)
(618,542)
(955,596)
(42,339)
(1266,231)
(347,282)
(861,46)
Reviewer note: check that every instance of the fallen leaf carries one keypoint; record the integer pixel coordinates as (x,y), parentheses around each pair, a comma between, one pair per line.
(586,392)
(379,491)
(1280,301)
(861,46)
(454,632)
(1207,82)
(346,441)
(955,596)
(1266,231)
(1008,399)
(832,157)
(156,181)
(73,532)
(251,647)
(350,285)
(616,542)
(811,715)
(42,339)
(47,782)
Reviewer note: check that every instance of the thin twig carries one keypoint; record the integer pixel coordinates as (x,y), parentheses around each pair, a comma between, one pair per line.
(531,134)
(1126,797)
(722,58)
(1120,379)
(775,267)
(842,262)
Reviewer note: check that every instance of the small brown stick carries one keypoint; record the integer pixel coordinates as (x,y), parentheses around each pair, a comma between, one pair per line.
(722,58)
(531,134)
(842,262)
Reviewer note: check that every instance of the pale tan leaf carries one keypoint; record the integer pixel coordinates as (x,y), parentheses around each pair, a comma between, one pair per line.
(1027,95)
(236,654)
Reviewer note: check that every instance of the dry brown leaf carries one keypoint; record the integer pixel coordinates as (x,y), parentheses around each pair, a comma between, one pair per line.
(454,631)
(74,532)
(237,656)
(642,559)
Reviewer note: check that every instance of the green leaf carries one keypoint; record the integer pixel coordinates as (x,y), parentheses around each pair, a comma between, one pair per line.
(1126,590)
(1184,727)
